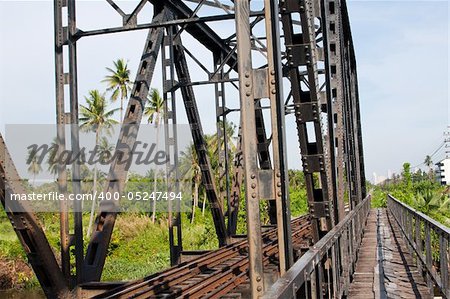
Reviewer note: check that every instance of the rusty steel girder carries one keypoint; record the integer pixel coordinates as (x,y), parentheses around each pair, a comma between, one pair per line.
(315,56)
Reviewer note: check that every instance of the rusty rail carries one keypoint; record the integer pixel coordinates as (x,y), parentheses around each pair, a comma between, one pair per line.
(210,276)
(429,242)
(332,259)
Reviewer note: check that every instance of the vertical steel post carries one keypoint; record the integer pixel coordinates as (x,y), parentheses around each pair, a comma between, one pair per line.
(351,166)
(332,46)
(74,132)
(333,138)
(247,103)
(170,121)
(221,129)
(237,179)
(61,139)
(281,182)
(309,104)
(329,100)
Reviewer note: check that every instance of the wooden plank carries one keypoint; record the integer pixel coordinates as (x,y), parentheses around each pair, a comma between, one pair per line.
(394,274)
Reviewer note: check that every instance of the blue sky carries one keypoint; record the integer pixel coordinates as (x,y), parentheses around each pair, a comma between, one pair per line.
(402,54)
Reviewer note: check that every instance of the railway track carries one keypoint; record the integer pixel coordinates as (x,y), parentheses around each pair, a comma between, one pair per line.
(215,274)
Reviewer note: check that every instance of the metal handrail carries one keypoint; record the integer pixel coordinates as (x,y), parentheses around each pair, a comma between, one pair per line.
(334,256)
(419,229)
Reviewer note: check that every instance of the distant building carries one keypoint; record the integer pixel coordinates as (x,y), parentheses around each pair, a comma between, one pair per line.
(378,179)
(443,171)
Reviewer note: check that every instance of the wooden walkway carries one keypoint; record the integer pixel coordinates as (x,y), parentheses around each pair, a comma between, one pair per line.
(385,267)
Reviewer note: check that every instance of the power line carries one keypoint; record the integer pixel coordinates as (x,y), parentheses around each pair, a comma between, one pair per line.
(446,142)
(435,152)
(432,155)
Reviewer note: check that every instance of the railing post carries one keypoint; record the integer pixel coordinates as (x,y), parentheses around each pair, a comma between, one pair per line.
(335,270)
(409,230)
(419,244)
(429,257)
(352,244)
(443,254)
(313,280)
(346,261)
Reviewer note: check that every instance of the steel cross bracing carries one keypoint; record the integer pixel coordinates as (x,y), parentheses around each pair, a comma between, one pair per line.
(28,229)
(94,261)
(311,54)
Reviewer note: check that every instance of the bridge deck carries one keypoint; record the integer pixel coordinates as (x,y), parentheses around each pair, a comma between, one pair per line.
(385,267)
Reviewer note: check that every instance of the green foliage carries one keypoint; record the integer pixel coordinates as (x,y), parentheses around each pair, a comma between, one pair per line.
(418,190)
(299,202)
(9,244)
(378,196)
(407,175)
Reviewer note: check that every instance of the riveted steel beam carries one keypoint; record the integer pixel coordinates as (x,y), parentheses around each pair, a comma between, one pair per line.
(60,80)
(274,81)
(310,103)
(249,146)
(171,144)
(65,42)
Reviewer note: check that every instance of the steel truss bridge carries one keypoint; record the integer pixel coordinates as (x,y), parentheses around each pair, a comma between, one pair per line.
(286,57)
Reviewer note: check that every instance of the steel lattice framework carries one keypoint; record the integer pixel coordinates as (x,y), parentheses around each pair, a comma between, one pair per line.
(300,61)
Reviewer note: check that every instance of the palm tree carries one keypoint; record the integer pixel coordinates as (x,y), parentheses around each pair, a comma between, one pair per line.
(154,111)
(95,117)
(35,167)
(429,163)
(119,82)
(51,161)
(86,176)
(191,172)
(105,150)
(219,143)
(217,146)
